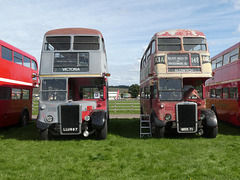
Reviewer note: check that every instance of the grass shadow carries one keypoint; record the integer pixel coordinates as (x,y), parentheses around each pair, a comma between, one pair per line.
(226,128)
(30,132)
(128,128)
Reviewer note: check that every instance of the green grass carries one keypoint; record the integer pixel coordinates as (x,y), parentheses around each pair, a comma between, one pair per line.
(123,155)
(35,107)
(125,112)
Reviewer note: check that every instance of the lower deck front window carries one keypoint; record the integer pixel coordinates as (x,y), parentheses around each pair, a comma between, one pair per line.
(170,89)
(53,90)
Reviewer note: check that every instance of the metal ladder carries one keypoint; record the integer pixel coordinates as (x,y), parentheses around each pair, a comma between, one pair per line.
(145,125)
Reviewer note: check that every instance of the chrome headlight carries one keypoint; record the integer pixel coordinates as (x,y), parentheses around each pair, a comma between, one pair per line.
(49,119)
(168,117)
(87,118)
(202,116)
(43,106)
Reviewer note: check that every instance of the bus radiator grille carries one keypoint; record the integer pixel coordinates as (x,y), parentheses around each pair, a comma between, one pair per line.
(70,119)
(186,117)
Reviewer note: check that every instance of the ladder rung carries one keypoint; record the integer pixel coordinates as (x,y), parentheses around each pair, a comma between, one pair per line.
(145,133)
(145,127)
(145,120)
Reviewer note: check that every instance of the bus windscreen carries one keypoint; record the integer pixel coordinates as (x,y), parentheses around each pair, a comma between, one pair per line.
(194,44)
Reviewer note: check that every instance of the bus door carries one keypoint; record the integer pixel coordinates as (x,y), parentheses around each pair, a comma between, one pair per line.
(154,95)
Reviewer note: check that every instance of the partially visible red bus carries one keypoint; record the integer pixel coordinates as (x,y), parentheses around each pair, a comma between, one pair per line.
(224,87)
(16,85)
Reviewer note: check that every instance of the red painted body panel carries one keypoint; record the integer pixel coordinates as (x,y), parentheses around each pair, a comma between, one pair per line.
(17,76)
(226,76)
(75,31)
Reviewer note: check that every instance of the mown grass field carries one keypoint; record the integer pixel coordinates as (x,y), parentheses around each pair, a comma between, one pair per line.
(123,155)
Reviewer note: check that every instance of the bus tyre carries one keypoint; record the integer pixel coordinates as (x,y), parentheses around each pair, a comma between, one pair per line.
(157,132)
(44,134)
(24,119)
(210,132)
(215,111)
(102,133)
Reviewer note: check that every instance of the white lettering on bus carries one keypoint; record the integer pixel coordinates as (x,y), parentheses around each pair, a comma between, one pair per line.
(70,129)
(71,69)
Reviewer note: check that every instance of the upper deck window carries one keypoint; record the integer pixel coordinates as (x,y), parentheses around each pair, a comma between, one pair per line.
(234,55)
(219,62)
(169,44)
(26,61)
(6,53)
(17,58)
(34,65)
(194,44)
(214,64)
(226,58)
(86,43)
(57,43)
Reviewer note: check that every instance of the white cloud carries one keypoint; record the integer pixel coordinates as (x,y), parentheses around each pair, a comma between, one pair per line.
(238,29)
(234,3)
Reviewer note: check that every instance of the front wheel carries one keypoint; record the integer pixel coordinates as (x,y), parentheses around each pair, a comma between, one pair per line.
(102,133)
(45,135)
(210,132)
(157,131)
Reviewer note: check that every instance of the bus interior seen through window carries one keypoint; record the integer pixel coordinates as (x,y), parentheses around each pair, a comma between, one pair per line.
(57,43)
(169,44)
(91,92)
(171,89)
(54,90)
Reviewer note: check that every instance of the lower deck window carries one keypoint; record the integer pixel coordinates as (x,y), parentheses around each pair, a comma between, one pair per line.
(234,93)
(170,89)
(54,90)
(25,94)
(5,93)
(16,93)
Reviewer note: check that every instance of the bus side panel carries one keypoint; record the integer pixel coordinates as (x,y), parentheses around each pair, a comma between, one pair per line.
(4,121)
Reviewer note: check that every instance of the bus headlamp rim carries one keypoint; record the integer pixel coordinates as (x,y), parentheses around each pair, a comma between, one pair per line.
(168,117)
(49,119)
(87,118)
(43,106)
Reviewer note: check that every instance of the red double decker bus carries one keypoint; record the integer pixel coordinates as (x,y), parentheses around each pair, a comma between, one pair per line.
(173,72)
(16,85)
(223,87)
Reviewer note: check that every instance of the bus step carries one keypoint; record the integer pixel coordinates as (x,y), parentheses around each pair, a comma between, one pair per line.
(145,125)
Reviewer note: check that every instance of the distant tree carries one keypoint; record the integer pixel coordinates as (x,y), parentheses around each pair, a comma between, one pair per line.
(134,90)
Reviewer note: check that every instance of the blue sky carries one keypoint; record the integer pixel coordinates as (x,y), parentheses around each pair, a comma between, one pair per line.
(127,25)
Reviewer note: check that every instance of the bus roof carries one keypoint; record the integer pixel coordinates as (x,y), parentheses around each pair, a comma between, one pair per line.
(226,51)
(180,33)
(16,49)
(73,31)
